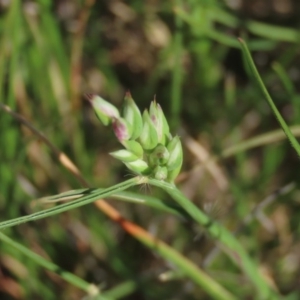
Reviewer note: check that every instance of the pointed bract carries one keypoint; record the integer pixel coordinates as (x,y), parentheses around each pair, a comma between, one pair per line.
(157,120)
(133,116)
(148,138)
(134,147)
(139,166)
(154,113)
(121,129)
(159,156)
(173,174)
(160,173)
(104,110)
(124,155)
(176,155)
(165,125)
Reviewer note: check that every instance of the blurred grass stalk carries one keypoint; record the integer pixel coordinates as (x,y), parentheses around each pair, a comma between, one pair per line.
(10,39)
(93,292)
(90,289)
(267,96)
(177,74)
(289,88)
(269,34)
(223,237)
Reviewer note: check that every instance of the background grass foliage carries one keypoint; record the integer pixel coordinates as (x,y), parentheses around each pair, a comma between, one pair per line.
(239,167)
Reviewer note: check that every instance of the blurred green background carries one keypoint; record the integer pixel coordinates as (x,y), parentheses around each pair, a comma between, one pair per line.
(186,53)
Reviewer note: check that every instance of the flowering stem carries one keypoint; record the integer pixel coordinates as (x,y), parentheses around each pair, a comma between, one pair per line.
(224,238)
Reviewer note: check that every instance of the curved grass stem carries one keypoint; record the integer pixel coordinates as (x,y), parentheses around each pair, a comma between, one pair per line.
(223,237)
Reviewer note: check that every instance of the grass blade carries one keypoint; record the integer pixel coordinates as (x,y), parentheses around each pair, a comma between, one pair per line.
(69,277)
(266,94)
(91,196)
(123,196)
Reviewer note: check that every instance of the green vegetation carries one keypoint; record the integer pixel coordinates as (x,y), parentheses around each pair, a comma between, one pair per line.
(226,227)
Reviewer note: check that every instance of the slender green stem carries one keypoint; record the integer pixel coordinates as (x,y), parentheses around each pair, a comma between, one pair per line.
(91,289)
(90,197)
(123,196)
(227,240)
(266,94)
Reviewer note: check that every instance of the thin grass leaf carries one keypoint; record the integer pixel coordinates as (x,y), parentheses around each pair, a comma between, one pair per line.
(123,196)
(269,31)
(69,277)
(91,196)
(259,140)
(289,88)
(266,94)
